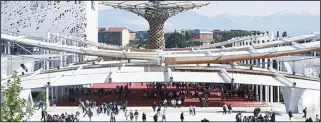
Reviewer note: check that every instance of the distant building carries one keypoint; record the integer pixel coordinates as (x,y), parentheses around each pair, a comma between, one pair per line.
(202,35)
(217,34)
(132,34)
(115,36)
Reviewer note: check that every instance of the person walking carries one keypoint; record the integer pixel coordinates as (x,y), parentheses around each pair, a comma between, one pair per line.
(131,113)
(113,116)
(43,115)
(154,106)
(229,109)
(136,114)
(290,115)
(182,117)
(305,113)
(224,109)
(164,116)
(144,117)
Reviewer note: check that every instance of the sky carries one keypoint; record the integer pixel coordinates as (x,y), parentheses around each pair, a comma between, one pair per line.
(254,8)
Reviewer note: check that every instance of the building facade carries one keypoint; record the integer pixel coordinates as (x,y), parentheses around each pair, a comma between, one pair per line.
(38,18)
(203,35)
(132,34)
(114,36)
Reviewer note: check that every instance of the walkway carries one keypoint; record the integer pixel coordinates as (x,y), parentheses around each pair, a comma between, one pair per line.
(212,113)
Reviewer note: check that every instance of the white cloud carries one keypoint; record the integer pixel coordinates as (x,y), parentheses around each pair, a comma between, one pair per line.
(253,8)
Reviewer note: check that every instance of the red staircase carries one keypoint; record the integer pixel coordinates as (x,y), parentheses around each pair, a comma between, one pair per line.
(137,99)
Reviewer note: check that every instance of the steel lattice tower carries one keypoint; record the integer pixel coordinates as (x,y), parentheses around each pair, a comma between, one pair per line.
(156,13)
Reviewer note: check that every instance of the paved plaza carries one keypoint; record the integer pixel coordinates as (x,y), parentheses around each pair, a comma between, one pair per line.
(173,114)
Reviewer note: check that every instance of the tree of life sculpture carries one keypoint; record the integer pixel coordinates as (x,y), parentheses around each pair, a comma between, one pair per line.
(156,13)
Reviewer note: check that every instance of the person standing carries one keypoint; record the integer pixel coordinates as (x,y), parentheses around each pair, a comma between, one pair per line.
(154,106)
(317,119)
(182,117)
(305,113)
(126,114)
(273,117)
(229,109)
(131,113)
(155,117)
(90,114)
(179,102)
(194,110)
(165,103)
(164,116)
(136,115)
(224,109)
(40,105)
(144,117)
(190,110)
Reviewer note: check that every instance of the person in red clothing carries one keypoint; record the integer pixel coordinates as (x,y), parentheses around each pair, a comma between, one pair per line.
(246,97)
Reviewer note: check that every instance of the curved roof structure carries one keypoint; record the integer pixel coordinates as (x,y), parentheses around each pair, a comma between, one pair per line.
(146,65)
(91,74)
(178,57)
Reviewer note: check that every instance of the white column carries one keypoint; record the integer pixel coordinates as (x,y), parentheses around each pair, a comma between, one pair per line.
(278,93)
(265,64)
(261,93)
(52,94)
(62,91)
(56,93)
(256,90)
(266,93)
(47,96)
(271,93)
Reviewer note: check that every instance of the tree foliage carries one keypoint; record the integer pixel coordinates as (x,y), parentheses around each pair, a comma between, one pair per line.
(227,35)
(12,108)
(181,40)
(41,96)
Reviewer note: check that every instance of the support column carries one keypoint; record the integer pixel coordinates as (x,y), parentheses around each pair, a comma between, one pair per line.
(47,96)
(156,38)
(261,93)
(56,93)
(257,92)
(271,93)
(266,93)
(52,94)
(278,93)
(62,91)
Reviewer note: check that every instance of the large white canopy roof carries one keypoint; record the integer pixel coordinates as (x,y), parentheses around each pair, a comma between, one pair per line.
(127,74)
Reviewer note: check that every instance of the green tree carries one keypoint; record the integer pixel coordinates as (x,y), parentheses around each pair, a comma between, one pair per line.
(41,96)
(12,108)
(284,34)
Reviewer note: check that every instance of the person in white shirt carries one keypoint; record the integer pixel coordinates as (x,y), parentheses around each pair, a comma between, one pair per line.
(173,103)
(165,103)
(164,115)
(179,102)
(126,114)
(193,109)
(317,119)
